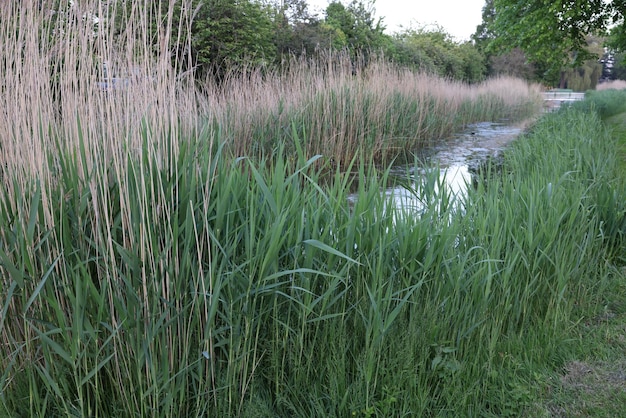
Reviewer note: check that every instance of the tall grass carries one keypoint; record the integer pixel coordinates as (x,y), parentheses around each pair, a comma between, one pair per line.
(381,110)
(147,271)
(605,102)
(51,90)
(254,292)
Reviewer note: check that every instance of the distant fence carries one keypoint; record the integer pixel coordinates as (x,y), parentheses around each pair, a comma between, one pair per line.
(562,96)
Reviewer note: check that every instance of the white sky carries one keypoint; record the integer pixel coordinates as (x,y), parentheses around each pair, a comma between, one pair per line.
(459,18)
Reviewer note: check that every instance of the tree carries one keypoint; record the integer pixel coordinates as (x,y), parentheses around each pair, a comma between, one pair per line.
(473,62)
(354,26)
(512,63)
(297,31)
(617,39)
(484,32)
(503,61)
(553,33)
(227,34)
(210,36)
(434,50)
(587,75)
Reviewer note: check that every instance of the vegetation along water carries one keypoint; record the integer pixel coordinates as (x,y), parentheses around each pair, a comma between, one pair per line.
(175,248)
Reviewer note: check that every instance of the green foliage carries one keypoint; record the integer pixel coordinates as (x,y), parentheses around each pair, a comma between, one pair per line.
(226,34)
(500,61)
(586,76)
(208,37)
(604,103)
(217,37)
(552,34)
(354,26)
(297,31)
(617,32)
(473,63)
(582,78)
(434,51)
(618,121)
(618,72)
(484,32)
(148,269)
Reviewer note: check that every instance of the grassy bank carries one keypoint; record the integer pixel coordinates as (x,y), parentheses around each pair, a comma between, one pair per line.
(591,380)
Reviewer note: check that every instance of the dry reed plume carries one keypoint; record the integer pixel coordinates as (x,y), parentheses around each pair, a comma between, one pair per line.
(612,85)
(51,92)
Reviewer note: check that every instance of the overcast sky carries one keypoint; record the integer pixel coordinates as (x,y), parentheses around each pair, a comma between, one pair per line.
(459,18)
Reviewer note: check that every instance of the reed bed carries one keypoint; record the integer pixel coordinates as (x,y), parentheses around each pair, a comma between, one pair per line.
(612,85)
(240,289)
(379,110)
(154,263)
(52,89)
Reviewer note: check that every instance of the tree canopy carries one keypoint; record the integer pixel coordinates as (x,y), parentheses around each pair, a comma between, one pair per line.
(432,49)
(553,33)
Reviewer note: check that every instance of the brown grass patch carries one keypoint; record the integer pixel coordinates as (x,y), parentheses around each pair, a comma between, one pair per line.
(613,84)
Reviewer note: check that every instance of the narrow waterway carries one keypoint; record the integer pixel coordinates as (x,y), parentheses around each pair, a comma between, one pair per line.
(450,163)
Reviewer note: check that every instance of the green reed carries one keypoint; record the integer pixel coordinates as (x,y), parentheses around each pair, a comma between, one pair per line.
(202,285)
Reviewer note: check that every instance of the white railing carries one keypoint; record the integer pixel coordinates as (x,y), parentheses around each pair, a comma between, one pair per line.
(563,95)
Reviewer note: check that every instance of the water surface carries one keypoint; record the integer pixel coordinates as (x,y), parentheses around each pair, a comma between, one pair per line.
(453,161)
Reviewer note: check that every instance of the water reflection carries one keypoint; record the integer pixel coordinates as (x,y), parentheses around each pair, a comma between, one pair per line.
(454,160)
(428,186)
